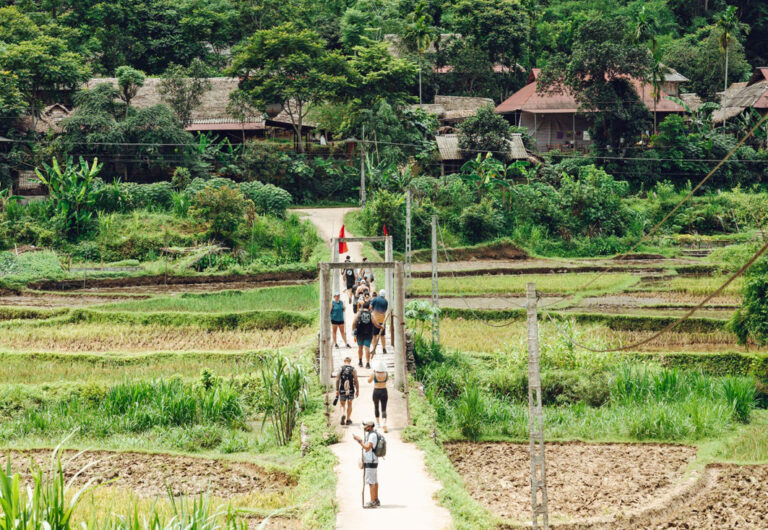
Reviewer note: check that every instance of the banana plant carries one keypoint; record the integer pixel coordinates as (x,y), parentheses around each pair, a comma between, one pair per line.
(72,194)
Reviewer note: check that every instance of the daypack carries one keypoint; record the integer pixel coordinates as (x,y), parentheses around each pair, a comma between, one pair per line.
(381,445)
(347,380)
(364,317)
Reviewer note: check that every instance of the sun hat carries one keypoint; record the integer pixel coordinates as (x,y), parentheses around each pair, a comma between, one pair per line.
(383,292)
(368,423)
(337,293)
(379,366)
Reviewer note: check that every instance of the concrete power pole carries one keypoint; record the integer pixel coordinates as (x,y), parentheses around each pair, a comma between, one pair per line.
(536,419)
(408,242)
(362,169)
(435,299)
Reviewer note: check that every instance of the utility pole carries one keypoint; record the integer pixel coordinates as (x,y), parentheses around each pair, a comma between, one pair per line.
(408,242)
(362,169)
(435,300)
(536,419)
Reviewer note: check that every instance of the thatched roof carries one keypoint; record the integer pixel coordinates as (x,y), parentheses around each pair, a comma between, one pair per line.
(741,96)
(692,100)
(454,109)
(448,147)
(211,114)
(49,120)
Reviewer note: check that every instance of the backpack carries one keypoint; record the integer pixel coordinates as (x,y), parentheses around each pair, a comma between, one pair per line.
(364,317)
(347,376)
(381,445)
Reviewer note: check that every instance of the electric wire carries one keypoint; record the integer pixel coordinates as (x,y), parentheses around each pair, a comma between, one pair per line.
(669,214)
(672,325)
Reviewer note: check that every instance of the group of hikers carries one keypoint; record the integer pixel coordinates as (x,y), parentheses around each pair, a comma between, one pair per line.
(368,329)
(369,323)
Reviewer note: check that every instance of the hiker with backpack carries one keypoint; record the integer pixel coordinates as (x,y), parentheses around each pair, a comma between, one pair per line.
(349,277)
(379,378)
(347,389)
(374,445)
(363,327)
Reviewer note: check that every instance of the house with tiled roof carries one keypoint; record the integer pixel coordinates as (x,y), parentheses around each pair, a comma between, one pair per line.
(555,119)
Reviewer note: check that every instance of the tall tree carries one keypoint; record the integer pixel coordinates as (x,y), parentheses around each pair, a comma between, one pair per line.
(43,66)
(129,81)
(418,35)
(290,67)
(183,88)
(730,28)
(598,72)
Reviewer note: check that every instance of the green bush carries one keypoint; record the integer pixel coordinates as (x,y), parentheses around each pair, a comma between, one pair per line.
(739,393)
(481,222)
(750,322)
(267,198)
(221,209)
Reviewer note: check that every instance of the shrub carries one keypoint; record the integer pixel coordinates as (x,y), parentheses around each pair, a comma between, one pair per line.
(72,193)
(751,320)
(267,199)
(222,209)
(481,222)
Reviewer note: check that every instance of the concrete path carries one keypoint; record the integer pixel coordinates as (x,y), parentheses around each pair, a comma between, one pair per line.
(406,489)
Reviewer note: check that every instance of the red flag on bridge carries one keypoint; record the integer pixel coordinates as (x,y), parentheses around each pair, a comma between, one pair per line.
(385,230)
(342,244)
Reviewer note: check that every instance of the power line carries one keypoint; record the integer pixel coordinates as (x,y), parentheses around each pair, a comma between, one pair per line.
(672,325)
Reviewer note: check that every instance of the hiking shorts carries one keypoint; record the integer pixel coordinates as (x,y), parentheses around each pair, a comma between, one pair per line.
(337,322)
(344,397)
(371,475)
(364,342)
(379,331)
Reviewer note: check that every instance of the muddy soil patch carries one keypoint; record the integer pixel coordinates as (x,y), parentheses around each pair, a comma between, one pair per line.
(105,284)
(501,250)
(583,480)
(149,475)
(54,300)
(736,498)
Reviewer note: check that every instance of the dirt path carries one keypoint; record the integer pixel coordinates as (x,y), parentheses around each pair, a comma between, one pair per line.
(406,488)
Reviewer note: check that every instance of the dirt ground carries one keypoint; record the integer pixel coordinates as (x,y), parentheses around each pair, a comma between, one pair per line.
(735,498)
(149,475)
(52,300)
(583,480)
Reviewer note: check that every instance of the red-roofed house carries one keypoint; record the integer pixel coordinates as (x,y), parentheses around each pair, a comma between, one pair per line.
(554,120)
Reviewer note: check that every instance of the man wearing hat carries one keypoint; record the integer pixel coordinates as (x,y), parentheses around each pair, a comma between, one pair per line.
(370,461)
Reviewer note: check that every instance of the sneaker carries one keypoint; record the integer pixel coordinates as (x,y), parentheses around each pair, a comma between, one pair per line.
(360,363)
(348,346)
(349,422)
(384,429)
(368,365)
(384,350)
(377,502)
(343,417)
(370,505)
(336,346)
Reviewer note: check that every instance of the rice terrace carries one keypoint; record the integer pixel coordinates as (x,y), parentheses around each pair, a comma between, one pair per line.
(384,264)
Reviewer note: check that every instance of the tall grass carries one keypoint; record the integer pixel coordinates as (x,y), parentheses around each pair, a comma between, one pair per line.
(470,412)
(130,407)
(286,391)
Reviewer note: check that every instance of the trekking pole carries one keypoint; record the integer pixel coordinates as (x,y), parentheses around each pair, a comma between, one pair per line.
(362,462)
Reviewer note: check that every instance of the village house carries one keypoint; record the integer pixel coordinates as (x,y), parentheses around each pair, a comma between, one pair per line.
(739,97)
(452,158)
(555,121)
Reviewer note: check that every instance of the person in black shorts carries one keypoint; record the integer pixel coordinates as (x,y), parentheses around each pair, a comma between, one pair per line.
(379,307)
(363,326)
(349,277)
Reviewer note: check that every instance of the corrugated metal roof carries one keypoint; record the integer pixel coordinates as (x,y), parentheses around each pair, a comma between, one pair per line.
(528,99)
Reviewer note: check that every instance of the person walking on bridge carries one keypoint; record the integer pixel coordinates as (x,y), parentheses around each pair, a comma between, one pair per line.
(370,462)
(363,326)
(347,389)
(379,378)
(379,306)
(349,277)
(337,319)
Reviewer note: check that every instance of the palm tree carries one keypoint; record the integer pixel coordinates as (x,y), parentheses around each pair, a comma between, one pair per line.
(418,36)
(646,28)
(730,28)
